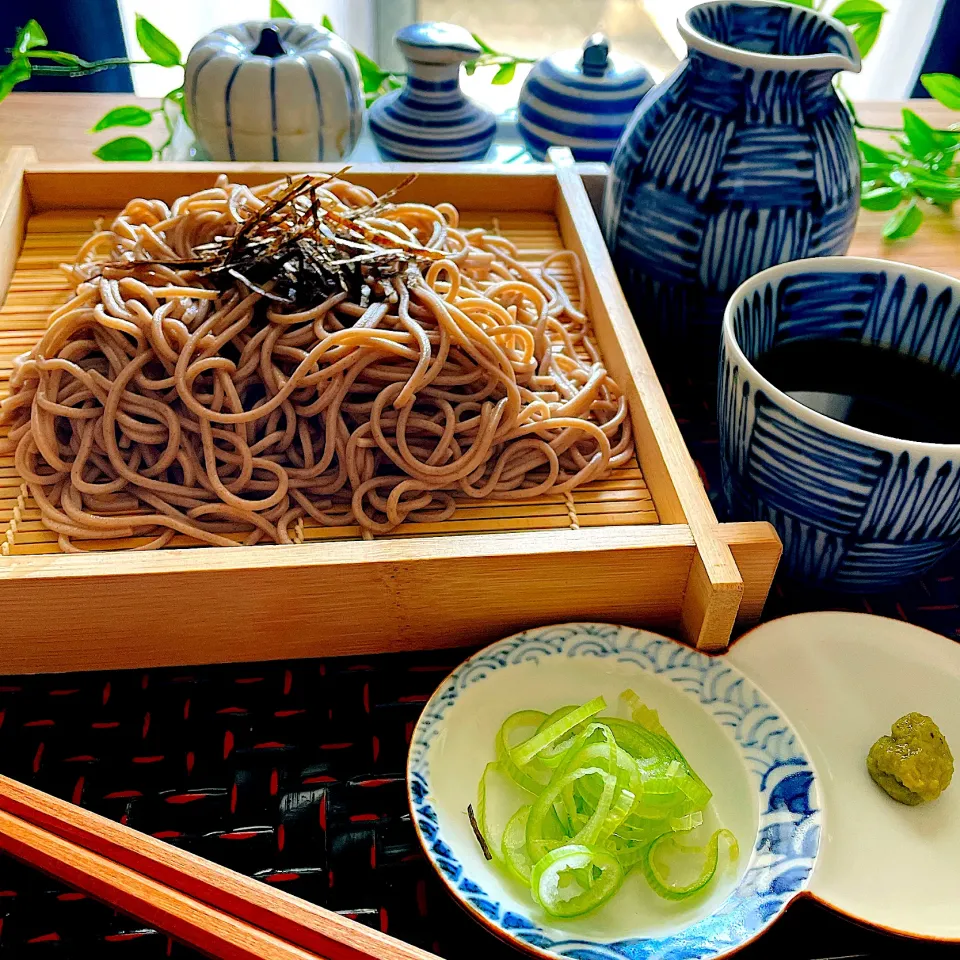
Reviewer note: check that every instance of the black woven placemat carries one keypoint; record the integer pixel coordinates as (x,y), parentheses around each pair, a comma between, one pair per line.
(289,772)
(293,772)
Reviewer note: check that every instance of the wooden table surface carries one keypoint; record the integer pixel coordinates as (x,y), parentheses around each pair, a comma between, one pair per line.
(57,125)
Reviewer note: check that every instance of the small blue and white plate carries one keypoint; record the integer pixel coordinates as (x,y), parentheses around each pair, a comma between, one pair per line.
(764,789)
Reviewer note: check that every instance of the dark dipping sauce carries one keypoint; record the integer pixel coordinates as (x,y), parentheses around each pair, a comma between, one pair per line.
(869,387)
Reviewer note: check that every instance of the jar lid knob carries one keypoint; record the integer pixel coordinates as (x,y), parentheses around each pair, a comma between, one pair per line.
(596,50)
(270,44)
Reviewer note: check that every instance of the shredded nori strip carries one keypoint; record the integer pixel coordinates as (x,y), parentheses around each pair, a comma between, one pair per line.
(301,253)
(476,830)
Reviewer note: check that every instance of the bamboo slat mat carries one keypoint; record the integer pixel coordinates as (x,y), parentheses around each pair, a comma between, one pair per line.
(38,286)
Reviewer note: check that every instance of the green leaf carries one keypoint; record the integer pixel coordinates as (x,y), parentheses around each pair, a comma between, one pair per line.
(157,45)
(366,63)
(944,87)
(881,198)
(327,24)
(125,148)
(872,154)
(878,171)
(123,117)
(899,177)
(921,139)
(904,223)
(854,11)
(944,198)
(486,48)
(370,73)
(16,71)
(470,67)
(504,74)
(178,99)
(866,36)
(29,36)
(944,191)
(865,16)
(279,12)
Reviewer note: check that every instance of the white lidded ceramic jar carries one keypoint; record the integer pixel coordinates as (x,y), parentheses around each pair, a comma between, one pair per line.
(274,90)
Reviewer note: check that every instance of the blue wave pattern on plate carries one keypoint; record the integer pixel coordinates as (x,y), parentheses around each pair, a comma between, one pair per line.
(789,835)
(728,168)
(856,515)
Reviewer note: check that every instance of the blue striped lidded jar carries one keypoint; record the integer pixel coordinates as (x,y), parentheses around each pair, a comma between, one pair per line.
(580,100)
(431,118)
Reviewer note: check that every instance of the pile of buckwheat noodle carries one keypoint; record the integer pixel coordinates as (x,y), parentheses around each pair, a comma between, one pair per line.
(161,403)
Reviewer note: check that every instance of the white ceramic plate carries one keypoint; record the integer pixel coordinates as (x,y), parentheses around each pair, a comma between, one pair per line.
(763,784)
(843,678)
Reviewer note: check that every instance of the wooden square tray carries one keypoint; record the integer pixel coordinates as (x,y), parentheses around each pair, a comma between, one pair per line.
(642,546)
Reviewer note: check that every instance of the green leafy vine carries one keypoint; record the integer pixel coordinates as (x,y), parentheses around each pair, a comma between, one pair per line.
(918,171)
(30,56)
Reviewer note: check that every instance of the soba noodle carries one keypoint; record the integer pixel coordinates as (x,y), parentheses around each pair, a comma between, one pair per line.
(157,404)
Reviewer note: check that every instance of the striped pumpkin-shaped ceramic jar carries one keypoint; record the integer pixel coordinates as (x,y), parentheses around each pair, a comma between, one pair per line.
(274,90)
(580,100)
(430,118)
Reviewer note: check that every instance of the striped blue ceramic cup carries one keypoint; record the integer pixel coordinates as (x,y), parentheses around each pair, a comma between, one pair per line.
(856,511)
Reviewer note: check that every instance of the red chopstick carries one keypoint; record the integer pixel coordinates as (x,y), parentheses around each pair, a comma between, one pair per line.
(197,924)
(159,872)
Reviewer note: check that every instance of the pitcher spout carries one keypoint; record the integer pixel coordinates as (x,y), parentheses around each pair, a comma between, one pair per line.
(768,35)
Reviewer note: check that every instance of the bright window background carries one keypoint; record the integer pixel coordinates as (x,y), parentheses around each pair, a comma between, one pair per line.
(536,28)
(646,30)
(643,29)
(186,21)
(891,68)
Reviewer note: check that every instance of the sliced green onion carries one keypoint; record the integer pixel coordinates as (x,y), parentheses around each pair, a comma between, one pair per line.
(689,821)
(556,880)
(555,752)
(608,795)
(656,865)
(589,833)
(631,855)
(523,754)
(539,844)
(644,715)
(493,844)
(514,846)
(644,834)
(516,721)
(619,812)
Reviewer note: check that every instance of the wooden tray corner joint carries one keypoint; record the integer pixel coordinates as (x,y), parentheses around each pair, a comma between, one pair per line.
(643,546)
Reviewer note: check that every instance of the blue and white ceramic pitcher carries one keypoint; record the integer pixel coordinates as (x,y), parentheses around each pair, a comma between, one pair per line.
(743,158)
